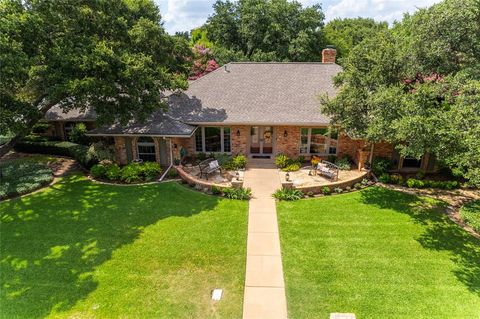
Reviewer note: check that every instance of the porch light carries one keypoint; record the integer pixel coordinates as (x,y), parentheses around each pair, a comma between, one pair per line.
(238,132)
(287,177)
(285,134)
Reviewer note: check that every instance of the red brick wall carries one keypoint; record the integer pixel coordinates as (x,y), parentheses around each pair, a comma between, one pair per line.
(289,145)
(240,143)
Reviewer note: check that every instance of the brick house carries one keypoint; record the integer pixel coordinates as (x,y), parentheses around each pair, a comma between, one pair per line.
(256,109)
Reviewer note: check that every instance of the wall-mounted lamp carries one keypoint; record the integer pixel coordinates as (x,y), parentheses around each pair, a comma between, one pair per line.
(238,132)
(285,134)
(175,146)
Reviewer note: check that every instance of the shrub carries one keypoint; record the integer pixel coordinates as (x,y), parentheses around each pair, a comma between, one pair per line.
(288,194)
(237,193)
(348,188)
(385,178)
(216,190)
(98,171)
(396,179)
(99,151)
(201,156)
(326,190)
(365,182)
(420,174)
(240,161)
(357,186)
(78,134)
(223,158)
(113,172)
(131,173)
(381,165)
(310,194)
(21,177)
(332,158)
(150,170)
(338,190)
(281,160)
(344,164)
(40,127)
(229,166)
(291,167)
(43,146)
(172,173)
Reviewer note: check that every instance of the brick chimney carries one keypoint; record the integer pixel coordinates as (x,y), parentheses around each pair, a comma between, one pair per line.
(329,54)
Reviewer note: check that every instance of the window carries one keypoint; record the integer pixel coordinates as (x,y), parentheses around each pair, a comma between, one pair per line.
(318,141)
(213,139)
(146,149)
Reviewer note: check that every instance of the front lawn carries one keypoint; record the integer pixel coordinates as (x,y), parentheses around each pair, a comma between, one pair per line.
(470,213)
(81,250)
(379,254)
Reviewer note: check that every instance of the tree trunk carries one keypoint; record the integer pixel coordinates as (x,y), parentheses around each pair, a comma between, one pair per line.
(5,148)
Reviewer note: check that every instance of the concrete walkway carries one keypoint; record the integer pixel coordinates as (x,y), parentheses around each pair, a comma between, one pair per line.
(264,296)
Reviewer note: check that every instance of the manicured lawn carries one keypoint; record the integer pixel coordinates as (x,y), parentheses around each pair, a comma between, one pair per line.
(379,254)
(470,213)
(83,250)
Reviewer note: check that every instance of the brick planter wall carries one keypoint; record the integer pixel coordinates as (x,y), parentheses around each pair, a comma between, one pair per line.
(332,186)
(192,180)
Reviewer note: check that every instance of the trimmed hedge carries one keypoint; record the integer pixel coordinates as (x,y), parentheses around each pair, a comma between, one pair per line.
(77,151)
(131,173)
(22,177)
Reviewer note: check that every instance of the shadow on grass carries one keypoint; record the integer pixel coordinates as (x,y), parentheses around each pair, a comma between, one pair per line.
(440,232)
(51,242)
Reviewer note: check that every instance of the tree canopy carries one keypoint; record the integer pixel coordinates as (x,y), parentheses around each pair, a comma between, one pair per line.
(346,33)
(111,54)
(418,85)
(266,30)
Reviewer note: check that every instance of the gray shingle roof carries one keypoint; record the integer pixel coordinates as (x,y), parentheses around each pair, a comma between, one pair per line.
(239,93)
(56,113)
(159,124)
(257,93)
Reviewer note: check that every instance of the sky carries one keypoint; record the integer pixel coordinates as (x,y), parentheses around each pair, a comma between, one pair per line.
(184,15)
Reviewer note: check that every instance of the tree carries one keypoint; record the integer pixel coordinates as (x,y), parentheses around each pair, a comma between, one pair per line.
(267,30)
(203,63)
(346,33)
(111,54)
(417,85)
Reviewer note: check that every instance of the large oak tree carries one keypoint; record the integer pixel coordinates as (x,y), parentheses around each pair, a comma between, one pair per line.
(267,30)
(418,85)
(110,54)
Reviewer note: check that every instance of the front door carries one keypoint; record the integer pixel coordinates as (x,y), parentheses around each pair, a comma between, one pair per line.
(261,140)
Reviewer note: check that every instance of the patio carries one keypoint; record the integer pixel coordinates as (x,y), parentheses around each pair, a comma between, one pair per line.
(221,177)
(306,178)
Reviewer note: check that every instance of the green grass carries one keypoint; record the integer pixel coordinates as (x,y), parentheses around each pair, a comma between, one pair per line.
(379,254)
(470,213)
(81,250)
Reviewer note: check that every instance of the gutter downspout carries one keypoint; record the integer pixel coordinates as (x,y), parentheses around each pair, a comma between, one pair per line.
(171,162)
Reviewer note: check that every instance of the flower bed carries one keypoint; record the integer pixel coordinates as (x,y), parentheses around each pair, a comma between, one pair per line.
(21,177)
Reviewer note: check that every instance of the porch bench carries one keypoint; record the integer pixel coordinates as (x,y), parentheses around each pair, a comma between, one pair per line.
(208,167)
(328,170)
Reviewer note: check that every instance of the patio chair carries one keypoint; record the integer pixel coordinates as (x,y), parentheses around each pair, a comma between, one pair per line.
(328,170)
(208,167)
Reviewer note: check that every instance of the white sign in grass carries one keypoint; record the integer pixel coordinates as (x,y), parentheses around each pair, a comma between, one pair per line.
(217,294)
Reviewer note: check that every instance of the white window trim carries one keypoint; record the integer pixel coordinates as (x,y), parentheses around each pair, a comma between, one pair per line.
(309,143)
(222,140)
